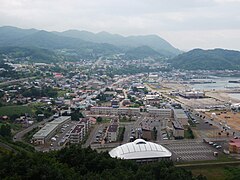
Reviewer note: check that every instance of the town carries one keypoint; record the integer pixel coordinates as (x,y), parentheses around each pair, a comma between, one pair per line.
(105,104)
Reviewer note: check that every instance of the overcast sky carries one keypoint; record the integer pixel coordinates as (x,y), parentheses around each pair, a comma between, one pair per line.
(186,24)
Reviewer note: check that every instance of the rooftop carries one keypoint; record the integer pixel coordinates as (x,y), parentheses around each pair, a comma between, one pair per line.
(77,129)
(45,131)
(140,149)
(177,125)
(113,128)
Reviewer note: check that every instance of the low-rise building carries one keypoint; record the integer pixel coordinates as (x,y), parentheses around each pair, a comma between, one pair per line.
(77,134)
(180,116)
(192,94)
(46,132)
(87,124)
(234,146)
(178,130)
(112,133)
(164,113)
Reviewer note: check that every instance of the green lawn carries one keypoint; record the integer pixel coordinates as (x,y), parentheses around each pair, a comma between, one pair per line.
(18,110)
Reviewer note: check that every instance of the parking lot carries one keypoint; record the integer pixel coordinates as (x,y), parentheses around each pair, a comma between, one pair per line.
(191,151)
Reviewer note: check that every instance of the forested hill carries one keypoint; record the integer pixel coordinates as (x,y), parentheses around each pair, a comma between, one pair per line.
(85,43)
(141,53)
(77,163)
(216,59)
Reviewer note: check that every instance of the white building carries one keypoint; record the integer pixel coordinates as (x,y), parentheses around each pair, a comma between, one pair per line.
(46,132)
(192,94)
(141,150)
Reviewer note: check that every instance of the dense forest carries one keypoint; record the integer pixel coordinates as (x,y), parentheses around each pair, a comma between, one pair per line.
(83,163)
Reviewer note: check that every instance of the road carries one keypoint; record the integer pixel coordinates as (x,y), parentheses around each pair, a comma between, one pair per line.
(19,135)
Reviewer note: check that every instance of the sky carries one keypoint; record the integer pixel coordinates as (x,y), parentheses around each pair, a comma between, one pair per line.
(186,24)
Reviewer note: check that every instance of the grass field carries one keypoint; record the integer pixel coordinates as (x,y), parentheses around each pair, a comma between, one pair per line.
(18,110)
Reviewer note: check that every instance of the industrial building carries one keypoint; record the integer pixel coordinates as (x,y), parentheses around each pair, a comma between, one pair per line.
(46,132)
(141,151)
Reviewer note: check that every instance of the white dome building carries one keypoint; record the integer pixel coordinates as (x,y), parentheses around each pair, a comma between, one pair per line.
(141,150)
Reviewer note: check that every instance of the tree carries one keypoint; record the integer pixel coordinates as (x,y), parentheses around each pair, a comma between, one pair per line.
(5,130)
(99,119)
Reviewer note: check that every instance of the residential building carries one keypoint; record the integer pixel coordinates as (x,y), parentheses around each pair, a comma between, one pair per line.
(77,134)
(164,113)
(112,132)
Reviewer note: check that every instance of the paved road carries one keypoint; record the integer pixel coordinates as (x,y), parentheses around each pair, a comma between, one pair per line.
(19,135)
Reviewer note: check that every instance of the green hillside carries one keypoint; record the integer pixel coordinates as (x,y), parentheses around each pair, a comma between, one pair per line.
(216,59)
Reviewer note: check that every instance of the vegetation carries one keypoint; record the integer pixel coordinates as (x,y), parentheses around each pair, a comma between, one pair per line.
(99,119)
(188,133)
(76,114)
(37,92)
(154,133)
(5,130)
(219,172)
(207,60)
(121,133)
(78,163)
(15,110)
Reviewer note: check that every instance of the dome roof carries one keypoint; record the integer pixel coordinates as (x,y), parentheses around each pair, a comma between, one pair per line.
(140,149)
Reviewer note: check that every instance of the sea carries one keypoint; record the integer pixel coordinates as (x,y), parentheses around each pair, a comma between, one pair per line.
(221,84)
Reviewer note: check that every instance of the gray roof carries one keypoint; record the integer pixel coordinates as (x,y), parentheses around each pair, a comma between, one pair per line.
(177,125)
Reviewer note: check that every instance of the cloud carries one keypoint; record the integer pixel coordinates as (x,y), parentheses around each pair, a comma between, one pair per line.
(162,17)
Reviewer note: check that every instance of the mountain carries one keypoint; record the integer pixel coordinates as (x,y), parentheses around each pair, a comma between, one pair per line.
(215,59)
(16,37)
(153,41)
(141,53)
(9,33)
(87,44)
